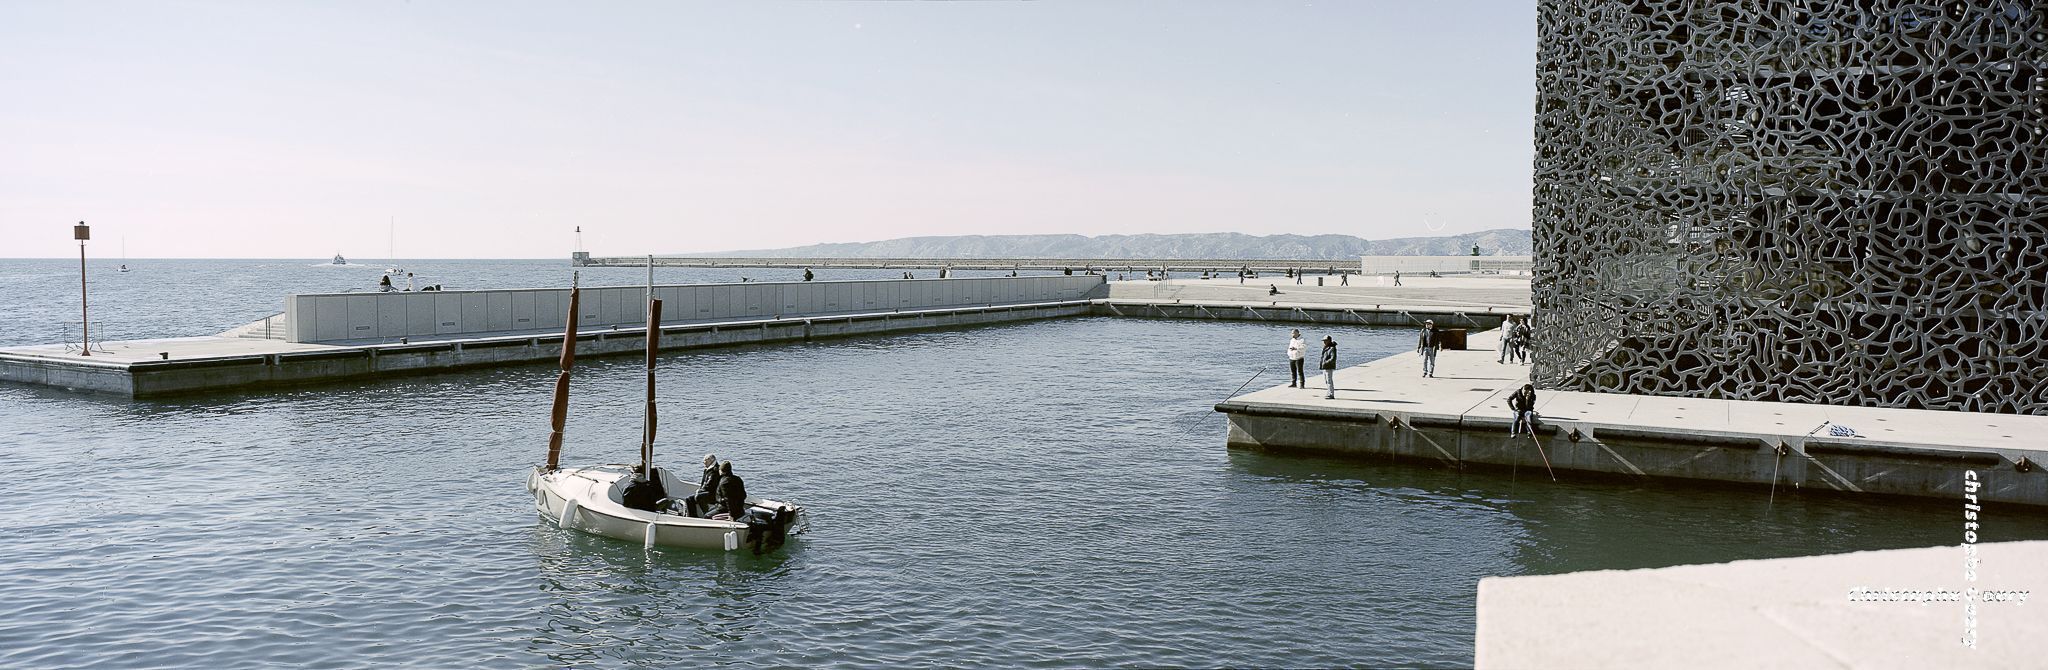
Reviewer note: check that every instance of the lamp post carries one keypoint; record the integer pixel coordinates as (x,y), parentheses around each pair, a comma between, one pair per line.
(82,232)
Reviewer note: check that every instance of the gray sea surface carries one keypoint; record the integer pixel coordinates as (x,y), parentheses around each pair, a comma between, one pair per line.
(1044,494)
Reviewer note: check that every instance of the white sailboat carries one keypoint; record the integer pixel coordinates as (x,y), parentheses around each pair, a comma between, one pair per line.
(391,249)
(124,253)
(594,499)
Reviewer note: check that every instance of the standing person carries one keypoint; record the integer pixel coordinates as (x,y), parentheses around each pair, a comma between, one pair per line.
(1525,337)
(1397,277)
(1431,340)
(1297,350)
(1329,368)
(1297,276)
(1507,341)
(1523,404)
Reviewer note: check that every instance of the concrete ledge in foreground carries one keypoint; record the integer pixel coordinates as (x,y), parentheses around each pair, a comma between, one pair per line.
(1779,613)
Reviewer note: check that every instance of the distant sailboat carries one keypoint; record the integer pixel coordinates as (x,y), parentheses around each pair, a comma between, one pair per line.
(391,249)
(124,253)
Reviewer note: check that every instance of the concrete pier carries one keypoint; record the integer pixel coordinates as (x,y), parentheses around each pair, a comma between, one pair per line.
(1780,613)
(1460,419)
(147,368)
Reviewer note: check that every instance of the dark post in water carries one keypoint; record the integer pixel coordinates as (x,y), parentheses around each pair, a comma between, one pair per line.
(82,232)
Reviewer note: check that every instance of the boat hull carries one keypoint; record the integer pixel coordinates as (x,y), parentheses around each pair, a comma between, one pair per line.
(581,499)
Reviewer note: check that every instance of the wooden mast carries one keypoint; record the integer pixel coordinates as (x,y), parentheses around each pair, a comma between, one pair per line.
(653,345)
(561,412)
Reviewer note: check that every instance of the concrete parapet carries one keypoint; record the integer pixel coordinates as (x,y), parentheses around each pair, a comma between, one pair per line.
(349,317)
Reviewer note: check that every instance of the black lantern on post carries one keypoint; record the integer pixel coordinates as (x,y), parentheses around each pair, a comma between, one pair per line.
(82,232)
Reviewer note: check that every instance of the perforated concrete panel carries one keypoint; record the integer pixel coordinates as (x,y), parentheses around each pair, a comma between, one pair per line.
(1835,203)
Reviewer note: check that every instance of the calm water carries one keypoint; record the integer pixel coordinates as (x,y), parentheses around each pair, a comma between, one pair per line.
(1042,494)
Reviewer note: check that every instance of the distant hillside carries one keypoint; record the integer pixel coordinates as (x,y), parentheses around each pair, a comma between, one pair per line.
(1502,242)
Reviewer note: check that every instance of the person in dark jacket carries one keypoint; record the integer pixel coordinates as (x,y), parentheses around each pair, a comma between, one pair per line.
(706,496)
(732,492)
(1329,368)
(1523,404)
(1431,340)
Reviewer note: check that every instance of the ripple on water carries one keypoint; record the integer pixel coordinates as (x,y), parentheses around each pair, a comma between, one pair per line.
(1043,494)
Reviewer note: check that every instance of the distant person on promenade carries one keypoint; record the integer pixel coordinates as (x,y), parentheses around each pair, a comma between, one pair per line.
(1523,404)
(1298,276)
(1397,277)
(1272,290)
(1428,344)
(807,274)
(1240,276)
(1329,368)
(1344,279)
(384,285)
(408,281)
(1297,352)
(1507,340)
(1525,337)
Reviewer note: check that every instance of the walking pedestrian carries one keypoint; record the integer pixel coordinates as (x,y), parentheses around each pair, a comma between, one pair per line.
(1507,341)
(1344,279)
(1523,404)
(1525,337)
(1329,368)
(1297,277)
(1297,350)
(1397,277)
(1431,340)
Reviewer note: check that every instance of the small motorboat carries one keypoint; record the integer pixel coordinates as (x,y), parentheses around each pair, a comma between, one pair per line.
(594,499)
(338,260)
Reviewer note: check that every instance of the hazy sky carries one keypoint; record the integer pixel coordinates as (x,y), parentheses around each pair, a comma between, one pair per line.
(492,129)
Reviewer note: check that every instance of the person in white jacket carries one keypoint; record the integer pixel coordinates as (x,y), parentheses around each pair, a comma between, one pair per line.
(1297,350)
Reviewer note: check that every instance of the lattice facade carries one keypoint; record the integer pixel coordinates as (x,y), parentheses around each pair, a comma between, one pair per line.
(1836,202)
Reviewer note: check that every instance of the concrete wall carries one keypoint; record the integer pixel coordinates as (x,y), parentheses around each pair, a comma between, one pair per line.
(335,317)
(1815,463)
(174,377)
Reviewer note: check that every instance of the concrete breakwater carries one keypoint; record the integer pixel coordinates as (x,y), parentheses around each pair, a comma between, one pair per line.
(330,337)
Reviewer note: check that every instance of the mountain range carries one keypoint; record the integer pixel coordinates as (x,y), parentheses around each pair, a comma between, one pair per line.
(1500,242)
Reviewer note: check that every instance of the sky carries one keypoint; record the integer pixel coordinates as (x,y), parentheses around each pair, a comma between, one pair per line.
(494,129)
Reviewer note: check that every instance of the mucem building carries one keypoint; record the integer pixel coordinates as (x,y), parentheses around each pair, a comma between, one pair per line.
(1815,201)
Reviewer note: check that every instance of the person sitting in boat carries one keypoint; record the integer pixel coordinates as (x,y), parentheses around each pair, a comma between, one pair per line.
(706,496)
(732,492)
(644,492)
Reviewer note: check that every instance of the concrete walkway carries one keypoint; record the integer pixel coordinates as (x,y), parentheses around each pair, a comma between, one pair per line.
(1780,613)
(1471,385)
(1445,294)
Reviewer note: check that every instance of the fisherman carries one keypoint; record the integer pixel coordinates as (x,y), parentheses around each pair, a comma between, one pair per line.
(732,492)
(1523,404)
(707,489)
